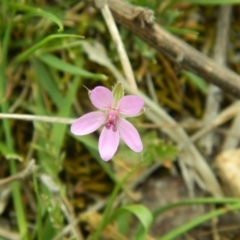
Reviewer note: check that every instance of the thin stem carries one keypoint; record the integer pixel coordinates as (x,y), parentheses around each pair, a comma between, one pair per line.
(28,117)
(20,175)
(120,48)
(111,200)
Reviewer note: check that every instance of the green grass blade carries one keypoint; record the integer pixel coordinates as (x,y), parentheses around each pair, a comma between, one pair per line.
(45,81)
(37,12)
(23,56)
(188,202)
(40,208)
(197,81)
(182,31)
(59,64)
(195,201)
(48,165)
(16,193)
(196,222)
(59,130)
(8,154)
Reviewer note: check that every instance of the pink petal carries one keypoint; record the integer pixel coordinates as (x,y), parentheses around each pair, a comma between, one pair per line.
(130,135)
(88,123)
(130,105)
(108,143)
(101,98)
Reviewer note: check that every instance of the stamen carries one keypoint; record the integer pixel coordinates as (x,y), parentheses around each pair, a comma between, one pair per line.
(112,121)
(108,125)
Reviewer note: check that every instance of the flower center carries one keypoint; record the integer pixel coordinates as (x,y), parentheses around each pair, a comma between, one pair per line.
(112,120)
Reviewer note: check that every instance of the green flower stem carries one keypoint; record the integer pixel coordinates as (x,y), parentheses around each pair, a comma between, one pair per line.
(108,208)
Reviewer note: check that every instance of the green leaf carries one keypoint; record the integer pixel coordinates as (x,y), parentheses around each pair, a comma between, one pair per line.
(124,223)
(182,31)
(111,200)
(118,92)
(157,149)
(197,81)
(37,12)
(59,64)
(58,131)
(8,154)
(23,56)
(166,151)
(46,82)
(140,211)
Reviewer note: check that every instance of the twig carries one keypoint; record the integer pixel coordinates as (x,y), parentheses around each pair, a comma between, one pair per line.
(20,98)
(36,118)
(186,125)
(188,57)
(68,212)
(222,117)
(7,234)
(30,168)
(232,139)
(67,229)
(151,88)
(28,117)
(31,149)
(214,97)
(120,48)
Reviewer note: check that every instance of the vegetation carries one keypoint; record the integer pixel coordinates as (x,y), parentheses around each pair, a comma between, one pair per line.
(54,185)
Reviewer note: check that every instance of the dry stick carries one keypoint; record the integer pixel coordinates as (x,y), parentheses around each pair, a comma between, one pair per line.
(179,51)
(185,125)
(4,184)
(8,234)
(28,117)
(231,141)
(67,229)
(46,119)
(227,114)
(214,97)
(69,215)
(120,48)
(30,168)
(21,97)
(233,136)
(151,88)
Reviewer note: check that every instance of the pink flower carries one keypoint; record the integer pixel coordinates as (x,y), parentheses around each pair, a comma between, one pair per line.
(111,116)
